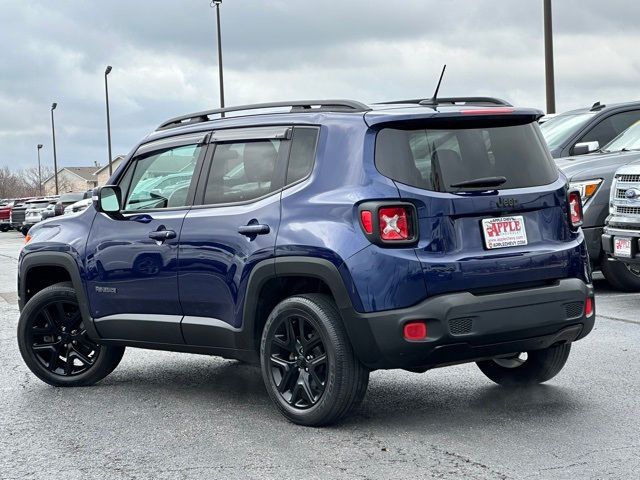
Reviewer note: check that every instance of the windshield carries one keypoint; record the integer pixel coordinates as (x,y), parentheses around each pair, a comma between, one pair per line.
(558,129)
(627,140)
(439,159)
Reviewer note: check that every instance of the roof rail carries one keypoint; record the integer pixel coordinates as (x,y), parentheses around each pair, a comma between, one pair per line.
(296,106)
(454,101)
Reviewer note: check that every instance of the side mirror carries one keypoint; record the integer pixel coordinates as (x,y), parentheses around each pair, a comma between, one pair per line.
(107,199)
(585,147)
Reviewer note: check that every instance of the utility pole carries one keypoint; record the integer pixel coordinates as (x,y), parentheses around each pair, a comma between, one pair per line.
(39,171)
(548,58)
(55,160)
(106,94)
(216,4)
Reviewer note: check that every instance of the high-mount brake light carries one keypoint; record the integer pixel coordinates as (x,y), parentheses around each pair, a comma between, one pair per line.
(575,208)
(394,223)
(487,111)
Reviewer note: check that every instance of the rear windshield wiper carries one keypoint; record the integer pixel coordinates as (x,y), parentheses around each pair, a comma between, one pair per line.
(480,182)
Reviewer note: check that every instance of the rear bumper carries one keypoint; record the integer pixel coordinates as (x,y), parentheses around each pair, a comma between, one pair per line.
(463,327)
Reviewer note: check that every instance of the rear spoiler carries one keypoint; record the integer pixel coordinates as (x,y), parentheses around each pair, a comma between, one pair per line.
(471,117)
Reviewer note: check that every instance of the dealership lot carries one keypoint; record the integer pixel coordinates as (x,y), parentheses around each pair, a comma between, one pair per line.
(170,415)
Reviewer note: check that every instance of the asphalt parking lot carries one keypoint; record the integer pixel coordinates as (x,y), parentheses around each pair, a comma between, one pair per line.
(171,415)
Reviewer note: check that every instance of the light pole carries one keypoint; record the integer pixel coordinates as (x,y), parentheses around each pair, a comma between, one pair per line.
(106,94)
(548,58)
(55,160)
(216,4)
(39,171)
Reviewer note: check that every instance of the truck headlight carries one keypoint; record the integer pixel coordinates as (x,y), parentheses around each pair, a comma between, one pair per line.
(587,188)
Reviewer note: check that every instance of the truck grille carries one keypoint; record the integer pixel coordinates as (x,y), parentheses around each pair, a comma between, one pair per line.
(621,193)
(628,210)
(629,178)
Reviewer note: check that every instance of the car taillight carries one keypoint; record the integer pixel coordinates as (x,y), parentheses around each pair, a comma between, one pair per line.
(394,223)
(389,223)
(575,208)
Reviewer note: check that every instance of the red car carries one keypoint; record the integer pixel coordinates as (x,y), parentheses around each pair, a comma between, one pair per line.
(5,215)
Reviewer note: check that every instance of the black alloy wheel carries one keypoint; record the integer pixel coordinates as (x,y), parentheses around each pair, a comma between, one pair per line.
(298,361)
(58,339)
(54,343)
(308,364)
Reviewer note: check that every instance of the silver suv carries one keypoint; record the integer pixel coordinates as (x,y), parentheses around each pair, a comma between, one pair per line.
(621,238)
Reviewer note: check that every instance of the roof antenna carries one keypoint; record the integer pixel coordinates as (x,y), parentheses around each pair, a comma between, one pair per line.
(433,101)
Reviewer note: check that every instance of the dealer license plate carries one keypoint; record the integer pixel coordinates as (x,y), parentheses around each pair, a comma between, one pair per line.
(504,232)
(622,247)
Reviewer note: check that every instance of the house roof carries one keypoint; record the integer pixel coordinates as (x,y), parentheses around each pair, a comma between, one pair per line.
(86,173)
(117,158)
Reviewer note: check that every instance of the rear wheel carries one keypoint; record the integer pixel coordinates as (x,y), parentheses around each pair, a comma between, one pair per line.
(54,343)
(4,228)
(620,276)
(308,365)
(527,368)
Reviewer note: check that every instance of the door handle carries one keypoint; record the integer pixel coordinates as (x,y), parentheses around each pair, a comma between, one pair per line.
(162,235)
(253,230)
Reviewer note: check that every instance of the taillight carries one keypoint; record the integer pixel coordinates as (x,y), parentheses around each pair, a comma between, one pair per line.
(575,208)
(394,223)
(389,223)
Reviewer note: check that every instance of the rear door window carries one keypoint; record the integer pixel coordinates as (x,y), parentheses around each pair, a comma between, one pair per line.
(434,158)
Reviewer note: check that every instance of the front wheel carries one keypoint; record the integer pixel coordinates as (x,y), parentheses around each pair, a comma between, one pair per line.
(308,365)
(620,276)
(54,344)
(527,368)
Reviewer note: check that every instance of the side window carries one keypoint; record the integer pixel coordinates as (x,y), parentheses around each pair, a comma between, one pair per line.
(160,179)
(242,171)
(303,151)
(611,127)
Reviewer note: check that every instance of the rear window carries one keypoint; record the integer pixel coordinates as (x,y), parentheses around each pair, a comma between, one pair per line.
(434,158)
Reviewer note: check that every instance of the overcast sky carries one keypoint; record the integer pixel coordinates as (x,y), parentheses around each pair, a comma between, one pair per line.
(164,60)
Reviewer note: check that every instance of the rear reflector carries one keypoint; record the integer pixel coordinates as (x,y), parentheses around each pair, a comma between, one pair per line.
(575,209)
(415,330)
(588,307)
(394,223)
(367,221)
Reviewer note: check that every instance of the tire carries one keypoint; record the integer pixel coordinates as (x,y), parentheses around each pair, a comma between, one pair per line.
(285,358)
(4,228)
(54,344)
(539,366)
(24,231)
(619,276)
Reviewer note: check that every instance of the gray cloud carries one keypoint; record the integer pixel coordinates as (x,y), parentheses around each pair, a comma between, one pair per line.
(163,53)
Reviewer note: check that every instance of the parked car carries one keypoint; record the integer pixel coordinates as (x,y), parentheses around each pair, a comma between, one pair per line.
(50,211)
(5,215)
(70,198)
(621,238)
(592,175)
(78,206)
(33,213)
(355,237)
(18,213)
(586,130)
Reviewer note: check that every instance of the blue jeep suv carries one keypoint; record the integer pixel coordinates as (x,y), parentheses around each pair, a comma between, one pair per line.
(322,240)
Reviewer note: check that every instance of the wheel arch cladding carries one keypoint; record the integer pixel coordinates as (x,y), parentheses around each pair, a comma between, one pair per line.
(60,267)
